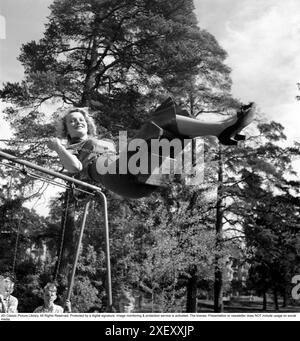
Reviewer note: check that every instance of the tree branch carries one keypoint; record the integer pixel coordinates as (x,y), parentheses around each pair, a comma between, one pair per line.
(233,238)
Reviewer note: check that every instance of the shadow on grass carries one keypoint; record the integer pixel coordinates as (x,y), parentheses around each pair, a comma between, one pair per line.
(246,307)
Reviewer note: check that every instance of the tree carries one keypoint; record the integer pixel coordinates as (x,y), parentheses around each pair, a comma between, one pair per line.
(257,195)
(116,57)
(273,236)
(171,241)
(105,54)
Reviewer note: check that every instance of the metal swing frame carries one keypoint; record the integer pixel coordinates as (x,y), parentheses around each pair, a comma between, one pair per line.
(94,190)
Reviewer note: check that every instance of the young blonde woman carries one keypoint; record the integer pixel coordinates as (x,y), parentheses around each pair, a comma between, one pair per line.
(87,155)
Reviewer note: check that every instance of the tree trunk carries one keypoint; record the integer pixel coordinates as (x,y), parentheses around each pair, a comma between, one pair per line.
(276,299)
(218,291)
(264,300)
(90,75)
(191,300)
(140,302)
(218,284)
(87,96)
(285,299)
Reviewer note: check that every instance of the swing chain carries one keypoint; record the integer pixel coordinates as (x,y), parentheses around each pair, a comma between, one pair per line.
(16,245)
(66,209)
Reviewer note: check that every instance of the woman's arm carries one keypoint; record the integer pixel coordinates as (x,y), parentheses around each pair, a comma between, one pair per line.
(68,160)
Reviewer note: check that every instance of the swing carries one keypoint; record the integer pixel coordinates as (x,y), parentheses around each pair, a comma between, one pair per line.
(79,240)
(93,191)
(16,246)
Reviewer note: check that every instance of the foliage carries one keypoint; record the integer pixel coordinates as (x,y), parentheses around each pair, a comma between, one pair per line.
(120,58)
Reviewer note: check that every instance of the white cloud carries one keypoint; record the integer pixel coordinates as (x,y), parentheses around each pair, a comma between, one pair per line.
(261,38)
(264,53)
(264,50)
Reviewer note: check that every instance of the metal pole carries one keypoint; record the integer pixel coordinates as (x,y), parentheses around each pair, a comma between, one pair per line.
(16,245)
(107,256)
(83,184)
(47,171)
(70,288)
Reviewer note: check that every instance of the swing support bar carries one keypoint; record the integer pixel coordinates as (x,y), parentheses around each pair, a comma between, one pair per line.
(71,282)
(96,190)
(49,172)
(107,252)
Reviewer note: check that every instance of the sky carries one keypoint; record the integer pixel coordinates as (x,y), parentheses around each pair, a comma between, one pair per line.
(261,38)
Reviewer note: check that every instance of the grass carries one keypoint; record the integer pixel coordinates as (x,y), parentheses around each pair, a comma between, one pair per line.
(237,306)
(231,306)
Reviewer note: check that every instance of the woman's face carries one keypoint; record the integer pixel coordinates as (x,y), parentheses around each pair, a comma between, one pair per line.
(76,125)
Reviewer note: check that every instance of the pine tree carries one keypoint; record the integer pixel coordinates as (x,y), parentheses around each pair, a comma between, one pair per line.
(119,58)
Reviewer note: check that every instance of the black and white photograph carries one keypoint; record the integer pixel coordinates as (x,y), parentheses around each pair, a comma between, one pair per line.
(149,162)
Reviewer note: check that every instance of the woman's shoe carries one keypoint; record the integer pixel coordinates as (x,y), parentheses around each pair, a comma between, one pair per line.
(230,136)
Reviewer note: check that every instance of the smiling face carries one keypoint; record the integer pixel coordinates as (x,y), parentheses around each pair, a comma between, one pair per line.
(49,296)
(76,125)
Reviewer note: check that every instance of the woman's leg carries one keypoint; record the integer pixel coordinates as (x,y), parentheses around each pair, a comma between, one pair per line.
(171,122)
(196,128)
(172,118)
(225,130)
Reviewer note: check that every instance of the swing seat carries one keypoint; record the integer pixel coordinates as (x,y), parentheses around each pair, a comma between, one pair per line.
(162,175)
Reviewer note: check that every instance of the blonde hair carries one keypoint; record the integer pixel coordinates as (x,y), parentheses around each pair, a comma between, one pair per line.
(50,287)
(61,125)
